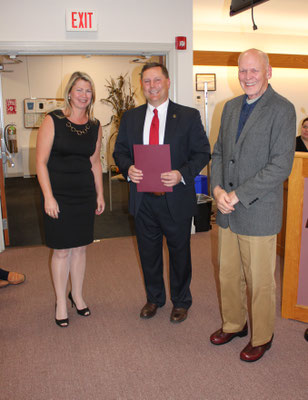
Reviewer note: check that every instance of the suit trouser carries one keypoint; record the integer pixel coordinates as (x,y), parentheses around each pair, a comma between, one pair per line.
(247,266)
(152,222)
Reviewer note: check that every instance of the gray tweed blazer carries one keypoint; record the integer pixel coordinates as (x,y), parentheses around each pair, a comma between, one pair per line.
(257,165)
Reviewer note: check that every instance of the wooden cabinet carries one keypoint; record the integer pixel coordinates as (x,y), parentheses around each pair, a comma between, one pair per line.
(295,284)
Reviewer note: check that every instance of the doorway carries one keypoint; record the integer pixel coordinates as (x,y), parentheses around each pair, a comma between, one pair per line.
(52,70)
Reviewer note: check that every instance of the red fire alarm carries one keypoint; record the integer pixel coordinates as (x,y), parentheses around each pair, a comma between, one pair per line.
(180,42)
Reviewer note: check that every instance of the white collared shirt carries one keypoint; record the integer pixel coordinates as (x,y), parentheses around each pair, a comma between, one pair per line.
(162,116)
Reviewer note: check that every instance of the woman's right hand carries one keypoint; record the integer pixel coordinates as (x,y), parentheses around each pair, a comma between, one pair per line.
(52,207)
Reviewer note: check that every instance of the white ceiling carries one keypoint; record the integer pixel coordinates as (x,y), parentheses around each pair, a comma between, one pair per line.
(282,17)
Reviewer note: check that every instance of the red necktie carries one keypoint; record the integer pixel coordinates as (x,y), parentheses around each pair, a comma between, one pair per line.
(154,129)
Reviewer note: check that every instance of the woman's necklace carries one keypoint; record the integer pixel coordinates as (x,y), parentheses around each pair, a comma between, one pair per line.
(78,131)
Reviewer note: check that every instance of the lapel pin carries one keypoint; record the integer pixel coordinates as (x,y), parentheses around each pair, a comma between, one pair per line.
(174,115)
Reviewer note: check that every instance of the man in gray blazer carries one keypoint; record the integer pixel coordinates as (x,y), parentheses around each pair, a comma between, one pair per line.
(252,158)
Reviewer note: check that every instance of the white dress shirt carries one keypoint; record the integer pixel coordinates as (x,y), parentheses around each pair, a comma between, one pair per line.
(162,116)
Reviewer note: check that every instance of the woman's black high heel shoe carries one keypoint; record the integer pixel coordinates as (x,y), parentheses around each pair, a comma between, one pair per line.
(63,323)
(85,312)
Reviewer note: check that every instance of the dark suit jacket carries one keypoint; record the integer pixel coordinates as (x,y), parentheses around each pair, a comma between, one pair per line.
(300,145)
(189,147)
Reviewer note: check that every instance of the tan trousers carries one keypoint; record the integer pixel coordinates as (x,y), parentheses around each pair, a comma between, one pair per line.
(247,267)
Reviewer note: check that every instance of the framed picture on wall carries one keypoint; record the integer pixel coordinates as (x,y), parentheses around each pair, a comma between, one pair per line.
(209,78)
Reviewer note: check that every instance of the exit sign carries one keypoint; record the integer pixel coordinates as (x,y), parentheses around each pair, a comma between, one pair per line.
(81,20)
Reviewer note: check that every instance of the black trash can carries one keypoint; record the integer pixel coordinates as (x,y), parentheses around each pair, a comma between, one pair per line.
(202,221)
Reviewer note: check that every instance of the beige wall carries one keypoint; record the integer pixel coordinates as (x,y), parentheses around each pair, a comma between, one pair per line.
(239,41)
(291,83)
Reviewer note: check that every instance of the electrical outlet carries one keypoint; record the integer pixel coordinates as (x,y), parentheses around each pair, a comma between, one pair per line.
(198,99)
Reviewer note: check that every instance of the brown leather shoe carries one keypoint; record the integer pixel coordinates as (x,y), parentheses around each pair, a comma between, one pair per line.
(219,337)
(3,283)
(148,311)
(178,315)
(15,278)
(251,354)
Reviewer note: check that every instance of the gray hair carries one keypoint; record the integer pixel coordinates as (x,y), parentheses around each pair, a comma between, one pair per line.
(259,52)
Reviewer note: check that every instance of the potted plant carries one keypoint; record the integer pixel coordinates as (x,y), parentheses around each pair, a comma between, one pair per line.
(120,97)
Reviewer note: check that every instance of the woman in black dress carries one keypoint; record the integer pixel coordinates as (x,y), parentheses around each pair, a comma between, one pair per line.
(70,175)
(302,140)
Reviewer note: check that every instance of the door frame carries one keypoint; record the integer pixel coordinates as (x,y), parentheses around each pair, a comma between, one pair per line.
(4,232)
(14,49)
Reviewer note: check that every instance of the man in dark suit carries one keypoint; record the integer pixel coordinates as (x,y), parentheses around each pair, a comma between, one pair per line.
(169,214)
(252,158)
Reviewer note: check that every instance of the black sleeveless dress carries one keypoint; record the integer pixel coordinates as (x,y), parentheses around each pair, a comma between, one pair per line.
(72,183)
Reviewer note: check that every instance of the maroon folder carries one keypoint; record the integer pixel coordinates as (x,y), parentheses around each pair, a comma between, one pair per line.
(152,160)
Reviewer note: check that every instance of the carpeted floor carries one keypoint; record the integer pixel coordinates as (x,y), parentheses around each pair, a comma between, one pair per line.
(114,355)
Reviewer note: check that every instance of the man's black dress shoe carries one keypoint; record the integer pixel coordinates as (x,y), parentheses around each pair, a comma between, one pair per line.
(251,354)
(219,337)
(178,315)
(148,311)
(306,335)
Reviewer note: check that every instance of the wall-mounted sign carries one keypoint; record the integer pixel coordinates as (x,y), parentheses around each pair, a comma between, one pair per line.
(11,106)
(36,109)
(81,20)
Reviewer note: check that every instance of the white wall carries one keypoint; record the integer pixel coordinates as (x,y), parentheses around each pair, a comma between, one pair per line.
(118,20)
(136,21)
(25,25)
(291,83)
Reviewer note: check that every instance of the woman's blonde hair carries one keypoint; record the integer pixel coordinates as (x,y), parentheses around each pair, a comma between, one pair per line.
(73,79)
